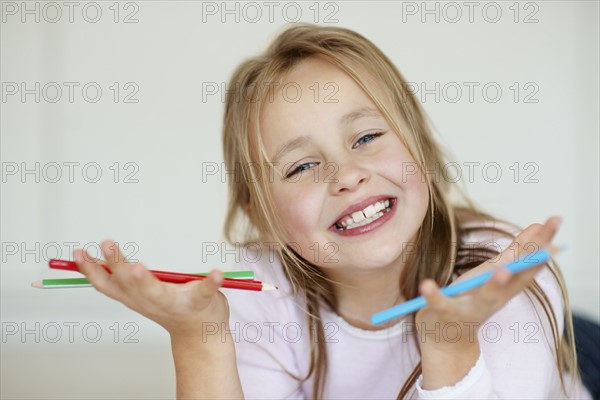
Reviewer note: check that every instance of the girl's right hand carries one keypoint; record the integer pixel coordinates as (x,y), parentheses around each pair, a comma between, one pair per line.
(181,309)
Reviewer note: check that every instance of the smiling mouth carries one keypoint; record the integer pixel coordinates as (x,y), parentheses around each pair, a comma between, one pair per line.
(364,217)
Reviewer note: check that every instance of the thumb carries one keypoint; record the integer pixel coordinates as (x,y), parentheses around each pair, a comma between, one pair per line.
(433,295)
(209,286)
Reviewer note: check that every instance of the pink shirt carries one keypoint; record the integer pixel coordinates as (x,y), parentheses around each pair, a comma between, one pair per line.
(271,336)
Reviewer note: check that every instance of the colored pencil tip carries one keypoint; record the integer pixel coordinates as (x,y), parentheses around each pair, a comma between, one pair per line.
(266,286)
(37,284)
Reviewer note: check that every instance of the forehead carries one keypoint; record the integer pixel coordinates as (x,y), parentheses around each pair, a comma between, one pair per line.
(314,92)
(313,97)
(315,81)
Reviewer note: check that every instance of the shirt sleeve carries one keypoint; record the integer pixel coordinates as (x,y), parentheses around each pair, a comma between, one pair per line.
(517,357)
(477,384)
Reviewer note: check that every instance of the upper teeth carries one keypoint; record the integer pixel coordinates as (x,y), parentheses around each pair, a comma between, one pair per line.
(367,213)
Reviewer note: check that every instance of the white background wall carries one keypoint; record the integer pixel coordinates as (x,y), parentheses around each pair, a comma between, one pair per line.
(173,131)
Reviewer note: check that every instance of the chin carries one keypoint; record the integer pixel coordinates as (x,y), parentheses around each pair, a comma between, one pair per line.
(381,258)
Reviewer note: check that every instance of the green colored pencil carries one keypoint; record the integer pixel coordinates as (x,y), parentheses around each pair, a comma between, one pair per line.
(83,282)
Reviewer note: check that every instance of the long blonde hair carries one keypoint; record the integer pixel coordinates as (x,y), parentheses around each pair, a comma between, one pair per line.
(251,217)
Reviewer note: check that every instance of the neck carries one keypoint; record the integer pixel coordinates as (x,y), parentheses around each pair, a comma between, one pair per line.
(361,293)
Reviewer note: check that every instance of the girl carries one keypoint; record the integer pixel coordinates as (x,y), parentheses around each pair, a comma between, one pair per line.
(329,151)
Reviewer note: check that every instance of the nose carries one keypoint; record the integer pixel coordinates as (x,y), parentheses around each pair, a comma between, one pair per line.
(347,177)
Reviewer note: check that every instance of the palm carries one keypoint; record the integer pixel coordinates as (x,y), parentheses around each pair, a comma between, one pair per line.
(179,308)
(477,305)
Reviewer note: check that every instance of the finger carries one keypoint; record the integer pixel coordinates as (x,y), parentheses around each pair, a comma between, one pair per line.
(500,277)
(543,236)
(94,272)
(530,240)
(120,267)
(434,297)
(542,239)
(115,260)
(494,290)
(525,239)
(549,230)
(513,251)
(522,279)
(88,266)
(209,286)
(503,285)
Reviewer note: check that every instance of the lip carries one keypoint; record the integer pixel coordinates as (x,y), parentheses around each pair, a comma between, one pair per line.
(371,226)
(361,205)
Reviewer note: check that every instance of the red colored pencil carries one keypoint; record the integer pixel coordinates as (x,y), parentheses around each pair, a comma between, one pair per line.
(177,277)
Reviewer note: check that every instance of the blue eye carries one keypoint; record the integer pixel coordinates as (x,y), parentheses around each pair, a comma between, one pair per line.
(363,140)
(300,168)
(369,136)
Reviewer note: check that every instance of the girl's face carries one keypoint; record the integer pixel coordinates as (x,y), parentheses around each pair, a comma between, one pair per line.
(340,163)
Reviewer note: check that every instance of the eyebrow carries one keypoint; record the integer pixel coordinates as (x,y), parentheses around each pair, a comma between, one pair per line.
(365,112)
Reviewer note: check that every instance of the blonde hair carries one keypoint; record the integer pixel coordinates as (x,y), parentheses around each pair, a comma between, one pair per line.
(251,217)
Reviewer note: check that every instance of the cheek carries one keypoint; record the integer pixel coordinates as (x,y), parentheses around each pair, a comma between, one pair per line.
(401,169)
(396,164)
(412,179)
(298,210)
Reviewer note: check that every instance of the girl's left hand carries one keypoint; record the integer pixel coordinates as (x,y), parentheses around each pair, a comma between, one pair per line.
(474,307)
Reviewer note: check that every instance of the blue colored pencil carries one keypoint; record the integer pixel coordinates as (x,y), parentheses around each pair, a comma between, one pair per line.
(454,289)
